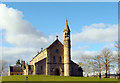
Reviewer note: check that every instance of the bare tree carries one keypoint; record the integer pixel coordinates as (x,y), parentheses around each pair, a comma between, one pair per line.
(85,64)
(96,62)
(107,59)
(3,66)
(118,56)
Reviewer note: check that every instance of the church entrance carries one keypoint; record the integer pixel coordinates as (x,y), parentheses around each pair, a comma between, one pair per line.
(57,72)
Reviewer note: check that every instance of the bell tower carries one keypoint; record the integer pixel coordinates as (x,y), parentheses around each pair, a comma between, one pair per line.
(67,50)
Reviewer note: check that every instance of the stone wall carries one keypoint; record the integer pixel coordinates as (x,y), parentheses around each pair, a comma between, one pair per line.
(41,67)
(74,70)
(16,73)
(42,55)
(54,64)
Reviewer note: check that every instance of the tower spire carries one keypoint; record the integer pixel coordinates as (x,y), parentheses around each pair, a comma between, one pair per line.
(66,21)
(67,50)
(66,26)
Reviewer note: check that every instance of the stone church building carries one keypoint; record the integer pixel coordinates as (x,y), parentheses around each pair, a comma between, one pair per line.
(53,60)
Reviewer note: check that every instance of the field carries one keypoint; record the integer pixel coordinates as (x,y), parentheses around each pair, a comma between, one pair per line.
(52,78)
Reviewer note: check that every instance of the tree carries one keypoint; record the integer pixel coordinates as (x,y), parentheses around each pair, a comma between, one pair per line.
(118,56)
(96,62)
(18,62)
(85,64)
(3,66)
(107,58)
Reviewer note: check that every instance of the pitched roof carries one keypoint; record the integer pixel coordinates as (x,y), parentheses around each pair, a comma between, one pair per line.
(74,62)
(38,54)
(57,40)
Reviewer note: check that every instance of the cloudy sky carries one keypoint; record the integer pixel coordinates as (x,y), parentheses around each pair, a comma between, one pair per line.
(25,28)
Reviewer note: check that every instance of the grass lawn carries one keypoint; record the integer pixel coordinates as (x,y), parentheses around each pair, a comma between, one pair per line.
(52,78)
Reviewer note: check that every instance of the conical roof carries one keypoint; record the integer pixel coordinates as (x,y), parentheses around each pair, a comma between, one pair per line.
(66,27)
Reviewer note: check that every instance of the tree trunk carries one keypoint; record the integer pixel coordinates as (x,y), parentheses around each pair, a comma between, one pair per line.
(106,72)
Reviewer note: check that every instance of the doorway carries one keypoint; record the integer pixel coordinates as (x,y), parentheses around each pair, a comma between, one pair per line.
(57,72)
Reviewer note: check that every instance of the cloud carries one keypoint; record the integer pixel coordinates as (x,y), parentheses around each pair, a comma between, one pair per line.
(97,33)
(18,31)
(11,54)
(78,54)
(24,38)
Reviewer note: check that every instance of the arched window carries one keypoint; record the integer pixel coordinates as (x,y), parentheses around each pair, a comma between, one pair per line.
(60,59)
(54,59)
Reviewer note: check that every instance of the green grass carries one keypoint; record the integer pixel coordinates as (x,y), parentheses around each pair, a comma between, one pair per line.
(52,78)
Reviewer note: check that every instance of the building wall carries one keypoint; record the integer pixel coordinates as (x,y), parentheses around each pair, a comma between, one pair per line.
(40,67)
(25,73)
(53,64)
(16,73)
(74,70)
(9,71)
(38,58)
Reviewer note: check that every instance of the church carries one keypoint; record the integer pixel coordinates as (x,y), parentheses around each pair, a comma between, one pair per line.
(53,60)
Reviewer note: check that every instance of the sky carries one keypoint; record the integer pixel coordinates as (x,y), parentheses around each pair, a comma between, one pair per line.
(59,0)
(26,27)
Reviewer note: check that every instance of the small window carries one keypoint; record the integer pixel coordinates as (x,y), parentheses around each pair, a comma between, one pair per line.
(60,59)
(54,59)
(41,68)
(65,33)
(57,50)
(17,74)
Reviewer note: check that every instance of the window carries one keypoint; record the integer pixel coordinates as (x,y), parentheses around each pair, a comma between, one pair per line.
(54,59)
(65,35)
(60,59)
(41,68)
(56,51)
